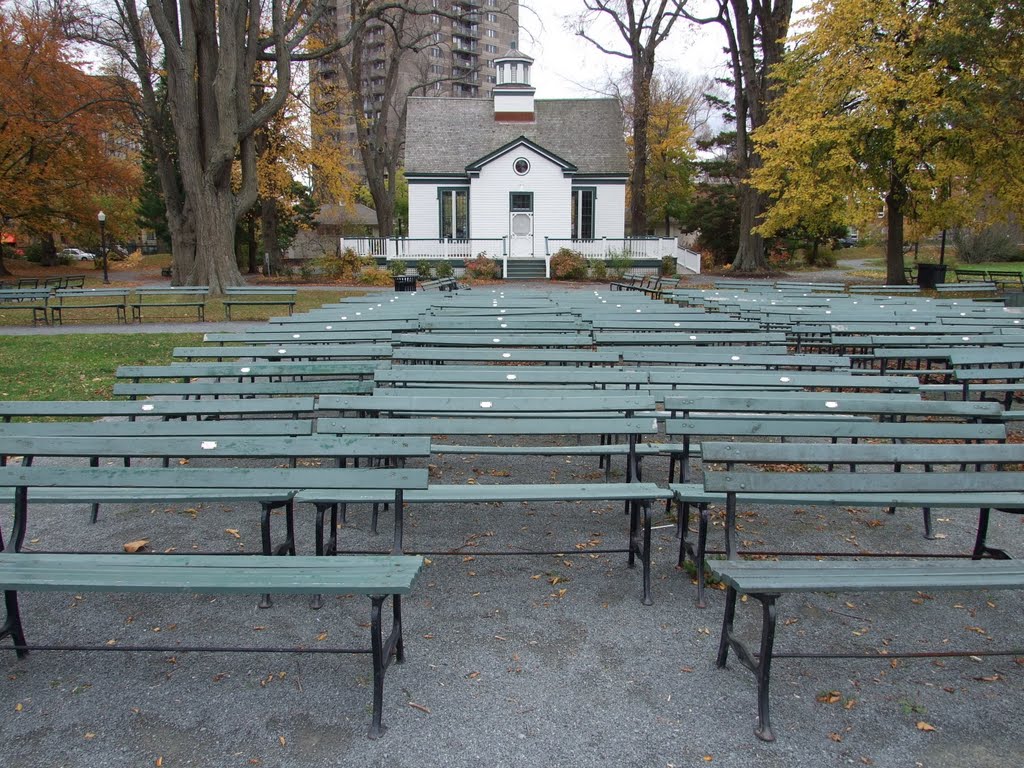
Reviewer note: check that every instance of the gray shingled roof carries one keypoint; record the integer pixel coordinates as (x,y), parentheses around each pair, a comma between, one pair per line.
(444,135)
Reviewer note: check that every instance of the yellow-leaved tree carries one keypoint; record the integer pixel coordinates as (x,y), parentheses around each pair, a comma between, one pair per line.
(875,110)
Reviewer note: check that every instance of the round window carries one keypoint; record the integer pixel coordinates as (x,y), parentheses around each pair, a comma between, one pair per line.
(521,166)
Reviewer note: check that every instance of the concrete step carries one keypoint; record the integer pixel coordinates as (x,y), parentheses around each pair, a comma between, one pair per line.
(526,269)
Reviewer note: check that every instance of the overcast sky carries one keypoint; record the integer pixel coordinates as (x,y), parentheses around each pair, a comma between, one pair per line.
(568,66)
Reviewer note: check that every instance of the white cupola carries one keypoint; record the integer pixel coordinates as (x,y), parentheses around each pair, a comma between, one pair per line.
(513,95)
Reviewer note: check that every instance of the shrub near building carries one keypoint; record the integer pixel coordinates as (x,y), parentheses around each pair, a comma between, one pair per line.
(568,265)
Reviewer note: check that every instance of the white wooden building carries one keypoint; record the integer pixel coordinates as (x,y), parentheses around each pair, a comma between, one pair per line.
(518,178)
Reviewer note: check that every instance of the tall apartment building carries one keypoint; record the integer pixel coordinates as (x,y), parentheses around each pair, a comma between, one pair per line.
(442,57)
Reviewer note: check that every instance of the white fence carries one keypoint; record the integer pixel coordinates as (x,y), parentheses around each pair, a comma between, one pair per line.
(414,249)
(631,247)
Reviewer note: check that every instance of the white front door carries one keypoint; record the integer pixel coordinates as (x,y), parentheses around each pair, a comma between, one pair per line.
(521,224)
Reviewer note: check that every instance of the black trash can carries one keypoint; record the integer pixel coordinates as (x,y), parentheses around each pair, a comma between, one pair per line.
(405,283)
(930,275)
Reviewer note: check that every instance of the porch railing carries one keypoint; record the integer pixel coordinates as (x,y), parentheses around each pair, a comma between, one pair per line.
(630,247)
(410,249)
(414,249)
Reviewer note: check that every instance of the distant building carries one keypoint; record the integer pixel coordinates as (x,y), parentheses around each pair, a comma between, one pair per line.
(514,167)
(453,59)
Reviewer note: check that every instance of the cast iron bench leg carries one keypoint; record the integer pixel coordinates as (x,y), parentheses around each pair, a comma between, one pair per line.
(382,652)
(761,665)
(12,627)
(981,548)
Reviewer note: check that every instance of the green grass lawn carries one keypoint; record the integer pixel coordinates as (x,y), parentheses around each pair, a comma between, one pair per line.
(305,300)
(79,366)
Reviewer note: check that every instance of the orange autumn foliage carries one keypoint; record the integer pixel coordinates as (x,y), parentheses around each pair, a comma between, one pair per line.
(62,132)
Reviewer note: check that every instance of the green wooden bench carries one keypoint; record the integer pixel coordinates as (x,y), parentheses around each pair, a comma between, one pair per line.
(157,428)
(164,409)
(270,487)
(971,275)
(719,378)
(749,357)
(766,582)
(1006,278)
(538,339)
(891,406)
(971,287)
(35,300)
(440,284)
(187,297)
(441,355)
(628,283)
(90,298)
(214,445)
(377,577)
(451,431)
(985,488)
(687,494)
(258,296)
(401,376)
(357,369)
(283,335)
(686,338)
(288,351)
(637,497)
(216,389)
(889,290)
(623,404)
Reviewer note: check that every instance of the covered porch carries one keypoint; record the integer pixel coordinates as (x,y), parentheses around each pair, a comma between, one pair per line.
(645,252)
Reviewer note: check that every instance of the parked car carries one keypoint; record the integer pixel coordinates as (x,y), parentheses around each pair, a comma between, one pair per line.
(76,254)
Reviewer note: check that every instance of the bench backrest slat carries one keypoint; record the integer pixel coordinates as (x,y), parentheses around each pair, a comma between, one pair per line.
(224,446)
(208,478)
(863,482)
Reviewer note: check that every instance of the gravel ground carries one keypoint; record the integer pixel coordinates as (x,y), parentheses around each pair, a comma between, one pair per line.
(547,660)
(539,660)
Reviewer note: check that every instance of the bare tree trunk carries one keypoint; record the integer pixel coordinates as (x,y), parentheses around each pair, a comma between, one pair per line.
(253,256)
(894,200)
(643,71)
(268,230)
(750,256)
(215,235)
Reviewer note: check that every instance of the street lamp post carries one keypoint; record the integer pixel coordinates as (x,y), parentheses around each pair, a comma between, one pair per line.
(102,218)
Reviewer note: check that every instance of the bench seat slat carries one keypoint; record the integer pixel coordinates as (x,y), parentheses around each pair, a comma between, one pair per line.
(854,482)
(510,492)
(694,493)
(212,574)
(153,428)
(218,479)
(876,575)
(155,495)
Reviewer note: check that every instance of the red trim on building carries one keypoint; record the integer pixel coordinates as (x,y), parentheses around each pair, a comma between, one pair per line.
(514,117)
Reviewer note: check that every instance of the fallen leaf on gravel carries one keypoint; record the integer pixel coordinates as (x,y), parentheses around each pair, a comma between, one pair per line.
(989,678)
(420,707)
(281,740)
(131,547)
(829,697)
(322,636)
(836,736)
(923,726)
(233,532)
